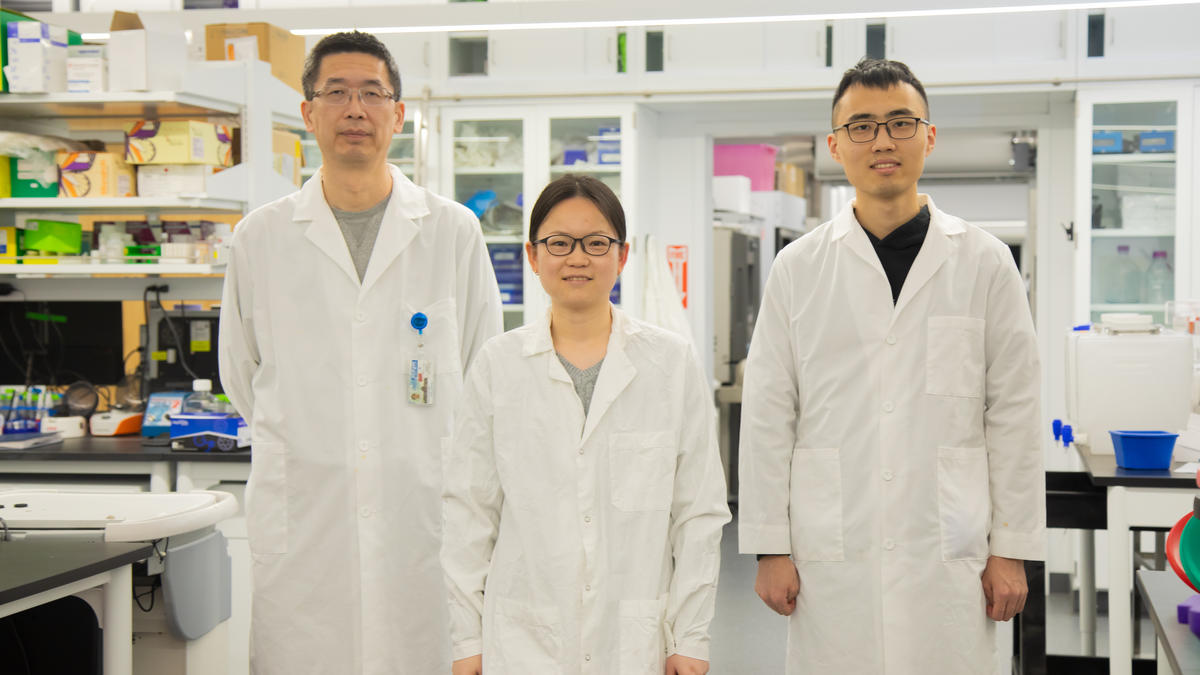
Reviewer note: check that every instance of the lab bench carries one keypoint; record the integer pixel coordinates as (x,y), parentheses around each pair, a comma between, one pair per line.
(1178,649)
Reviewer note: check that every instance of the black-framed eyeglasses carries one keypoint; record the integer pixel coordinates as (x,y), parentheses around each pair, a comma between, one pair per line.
(564,244)
(371,96)
(898,128)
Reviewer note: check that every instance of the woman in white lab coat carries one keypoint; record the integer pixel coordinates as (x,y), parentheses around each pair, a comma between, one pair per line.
(582,529)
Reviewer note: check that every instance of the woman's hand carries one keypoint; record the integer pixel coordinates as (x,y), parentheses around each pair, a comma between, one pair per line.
(472,665)
(678,664)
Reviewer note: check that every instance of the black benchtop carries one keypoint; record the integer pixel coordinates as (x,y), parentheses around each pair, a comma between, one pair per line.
(1103,470)
(30,566)
(1163,591)
(117,448)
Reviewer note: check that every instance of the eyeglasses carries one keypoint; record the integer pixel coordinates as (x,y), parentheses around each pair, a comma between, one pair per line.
(564,244)
(370,96)
(898,128)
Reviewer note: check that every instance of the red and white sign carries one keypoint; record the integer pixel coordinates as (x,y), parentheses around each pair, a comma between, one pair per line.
(677,258)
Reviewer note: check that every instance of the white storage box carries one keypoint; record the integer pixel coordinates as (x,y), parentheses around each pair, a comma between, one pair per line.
(146,60)
(87,69)
(731,193)
(37,57)
(779,209)
(173,180)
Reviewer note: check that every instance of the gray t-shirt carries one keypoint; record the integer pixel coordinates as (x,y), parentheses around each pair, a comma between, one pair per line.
(585,380)
(360,229)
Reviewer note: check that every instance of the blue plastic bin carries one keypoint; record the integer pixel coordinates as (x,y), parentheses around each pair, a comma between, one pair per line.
(1143,449)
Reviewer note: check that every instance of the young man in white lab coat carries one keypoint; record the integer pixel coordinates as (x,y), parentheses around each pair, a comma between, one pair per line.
(351,309)
(891,470)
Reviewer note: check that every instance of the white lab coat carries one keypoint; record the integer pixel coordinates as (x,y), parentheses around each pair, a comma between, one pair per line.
(343,506)
(599,551)
(891,449)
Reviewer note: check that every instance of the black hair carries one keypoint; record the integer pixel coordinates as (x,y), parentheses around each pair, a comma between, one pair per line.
(346,43)
(879,74)
(571,185)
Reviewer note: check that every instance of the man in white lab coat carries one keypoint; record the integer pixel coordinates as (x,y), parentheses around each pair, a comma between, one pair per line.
(891,470)
(351,309)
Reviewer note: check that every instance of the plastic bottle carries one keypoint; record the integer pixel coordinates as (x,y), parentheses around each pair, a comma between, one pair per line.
(201,400)
(1160,282)
(1125,280)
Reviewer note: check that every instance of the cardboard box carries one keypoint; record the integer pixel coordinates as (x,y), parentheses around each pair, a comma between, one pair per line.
(287,155)
(178,142)
(34,176)
(144,60)
(94,174)
(8,16)
(789,178)
(281,48)
(172,180)
(87,69)
(37,57)
(53,236)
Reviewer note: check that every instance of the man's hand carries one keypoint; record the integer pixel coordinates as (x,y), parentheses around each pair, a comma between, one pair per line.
(1005,587)
(678,664)
(472,665)
(778,583)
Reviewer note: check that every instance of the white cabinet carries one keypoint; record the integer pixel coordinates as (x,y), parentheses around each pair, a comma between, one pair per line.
(1152,41)
(496,160)
(1133,199)
(539,54)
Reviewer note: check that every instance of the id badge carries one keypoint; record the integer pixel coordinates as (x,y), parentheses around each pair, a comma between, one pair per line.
(420,369)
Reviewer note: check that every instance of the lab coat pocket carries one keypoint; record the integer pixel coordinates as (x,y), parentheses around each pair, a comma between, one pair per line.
(641,470)
(642,647)
(439,337)
(816,508)
(954,362)
(267,500)
(528,639)
(964,502)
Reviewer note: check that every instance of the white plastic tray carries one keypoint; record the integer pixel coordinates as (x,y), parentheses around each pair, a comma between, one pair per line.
(123,516)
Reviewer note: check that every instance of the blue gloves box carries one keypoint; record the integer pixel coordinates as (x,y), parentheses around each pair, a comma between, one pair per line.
(209,432)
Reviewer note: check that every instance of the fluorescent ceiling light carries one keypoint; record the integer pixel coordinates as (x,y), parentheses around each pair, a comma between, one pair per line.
(781,18)
(94,36)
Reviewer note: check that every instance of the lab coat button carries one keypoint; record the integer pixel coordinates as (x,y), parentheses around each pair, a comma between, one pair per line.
(888,475)
(888,407)
(365,512)
(587,519)
(360,316)
(587,657)
(362,381)
(889,544)
(891,339)
(363,445)
(581,451)
(587,587)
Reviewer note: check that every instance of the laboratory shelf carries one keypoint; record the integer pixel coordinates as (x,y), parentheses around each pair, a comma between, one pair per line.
(1134,127)
(125,204)
(1135,188)
(1129,234)
(489,170)
(1164,158)
(93,269)
(503,239)
(120,105)
(581,167)
(1128,307)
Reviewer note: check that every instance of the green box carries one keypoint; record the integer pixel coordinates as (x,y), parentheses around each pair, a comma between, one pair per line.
(34,176)
(53,236)
(7,16)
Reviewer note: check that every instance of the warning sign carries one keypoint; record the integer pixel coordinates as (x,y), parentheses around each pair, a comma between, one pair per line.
(677,258)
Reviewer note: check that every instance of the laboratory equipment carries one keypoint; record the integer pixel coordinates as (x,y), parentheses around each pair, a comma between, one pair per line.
(159,409)
(1143,449)
(1126,373)
(1160,282)
(116,423)
(182,348)
(736,279)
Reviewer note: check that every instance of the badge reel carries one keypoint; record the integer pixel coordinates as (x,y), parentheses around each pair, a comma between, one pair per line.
(420,373)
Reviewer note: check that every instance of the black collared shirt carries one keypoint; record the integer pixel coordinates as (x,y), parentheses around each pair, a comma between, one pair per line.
(899,249)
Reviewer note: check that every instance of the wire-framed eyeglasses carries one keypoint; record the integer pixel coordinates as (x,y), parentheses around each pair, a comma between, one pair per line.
(564,244)
(898,128)
(371,96)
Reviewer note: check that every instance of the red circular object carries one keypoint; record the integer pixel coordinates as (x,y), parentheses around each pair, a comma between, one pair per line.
(1173,550)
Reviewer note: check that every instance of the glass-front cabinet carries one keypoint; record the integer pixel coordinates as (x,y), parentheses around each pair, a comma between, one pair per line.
(496,160)
(1133,203)
(402,152)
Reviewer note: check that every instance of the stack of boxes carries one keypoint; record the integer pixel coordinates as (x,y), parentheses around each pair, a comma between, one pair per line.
(176,157)
(506,260)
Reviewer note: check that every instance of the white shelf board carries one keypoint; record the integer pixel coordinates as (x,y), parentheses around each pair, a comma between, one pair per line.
(1135,188)
(1127,307)
(1131,234)
(513,308)
(85,269)
(489,170)
(1132,127)
(503,239)
(130,204)
(581,167)
(1135,158)
(121,105)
